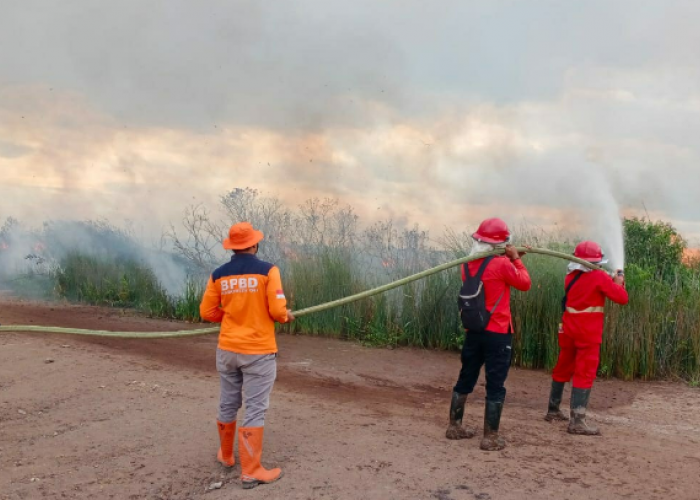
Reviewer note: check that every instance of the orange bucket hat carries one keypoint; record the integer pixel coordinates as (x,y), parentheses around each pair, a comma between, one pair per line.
(242,236)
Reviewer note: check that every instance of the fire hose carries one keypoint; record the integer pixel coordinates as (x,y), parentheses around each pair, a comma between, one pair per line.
(300,312)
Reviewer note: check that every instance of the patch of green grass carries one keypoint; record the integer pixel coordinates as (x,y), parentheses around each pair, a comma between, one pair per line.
(656,335)
(118,282)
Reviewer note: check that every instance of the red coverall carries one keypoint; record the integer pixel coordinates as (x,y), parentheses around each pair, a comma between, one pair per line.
(492,348)
(582,327)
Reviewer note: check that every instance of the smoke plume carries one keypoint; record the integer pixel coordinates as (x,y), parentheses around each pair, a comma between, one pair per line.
(553,114)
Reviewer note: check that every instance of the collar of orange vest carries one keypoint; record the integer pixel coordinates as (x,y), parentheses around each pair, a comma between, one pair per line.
(243,256)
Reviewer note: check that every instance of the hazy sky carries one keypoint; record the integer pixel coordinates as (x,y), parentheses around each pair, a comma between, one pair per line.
(439,113)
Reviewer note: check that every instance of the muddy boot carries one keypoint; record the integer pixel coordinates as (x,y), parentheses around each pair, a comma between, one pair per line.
(553,412)
(250,444)
(227,432)
(455,429)
(492,418)
(579,403)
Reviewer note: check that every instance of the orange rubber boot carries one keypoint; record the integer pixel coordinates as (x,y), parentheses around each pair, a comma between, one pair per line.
(250,443)
(226,434)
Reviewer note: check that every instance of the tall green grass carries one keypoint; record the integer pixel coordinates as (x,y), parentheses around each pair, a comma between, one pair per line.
(122,282)
(537,313)
(656,335)
(419,314)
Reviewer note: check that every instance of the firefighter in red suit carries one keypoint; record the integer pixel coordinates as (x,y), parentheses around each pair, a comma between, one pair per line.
(490,348)
(581,334)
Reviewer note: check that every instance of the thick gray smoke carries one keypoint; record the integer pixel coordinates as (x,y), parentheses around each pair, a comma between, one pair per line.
(41,251)
(557,113)
(569,195)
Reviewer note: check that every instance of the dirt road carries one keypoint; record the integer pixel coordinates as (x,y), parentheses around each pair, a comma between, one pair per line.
(130,419)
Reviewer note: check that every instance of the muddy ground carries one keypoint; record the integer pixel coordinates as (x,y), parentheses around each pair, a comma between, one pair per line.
(129,419)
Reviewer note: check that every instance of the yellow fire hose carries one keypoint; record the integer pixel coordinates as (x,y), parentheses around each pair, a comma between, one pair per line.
(299,313)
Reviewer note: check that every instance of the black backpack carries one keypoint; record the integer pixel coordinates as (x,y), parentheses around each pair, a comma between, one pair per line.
(472,300)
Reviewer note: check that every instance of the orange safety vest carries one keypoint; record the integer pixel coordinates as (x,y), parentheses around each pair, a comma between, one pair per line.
(245,295)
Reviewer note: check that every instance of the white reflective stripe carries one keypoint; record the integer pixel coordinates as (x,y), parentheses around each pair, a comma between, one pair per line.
(586,310)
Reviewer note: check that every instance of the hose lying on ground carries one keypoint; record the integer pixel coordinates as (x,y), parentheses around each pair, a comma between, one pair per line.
(301,312)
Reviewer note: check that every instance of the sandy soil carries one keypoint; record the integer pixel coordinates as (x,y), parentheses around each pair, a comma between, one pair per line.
(131,419)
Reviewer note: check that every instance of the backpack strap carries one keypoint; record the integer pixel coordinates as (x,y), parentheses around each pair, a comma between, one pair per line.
(481,270)
(498,301)
(568,287)
(580,273)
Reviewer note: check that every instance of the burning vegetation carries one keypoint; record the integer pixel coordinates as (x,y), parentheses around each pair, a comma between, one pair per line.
(325,254)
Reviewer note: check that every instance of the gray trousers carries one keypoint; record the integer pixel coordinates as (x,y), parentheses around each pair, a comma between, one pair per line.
(249,378)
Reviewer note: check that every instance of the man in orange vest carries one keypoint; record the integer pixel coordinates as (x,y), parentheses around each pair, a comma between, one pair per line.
(581,334)
(245,295)
(491,346)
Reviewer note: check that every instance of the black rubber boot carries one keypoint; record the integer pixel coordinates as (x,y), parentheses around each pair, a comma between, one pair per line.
(455,429)
(579,403)
(553,412)
(492,418)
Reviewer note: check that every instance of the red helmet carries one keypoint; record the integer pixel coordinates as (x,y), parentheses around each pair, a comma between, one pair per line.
(590,251)
(492,231)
